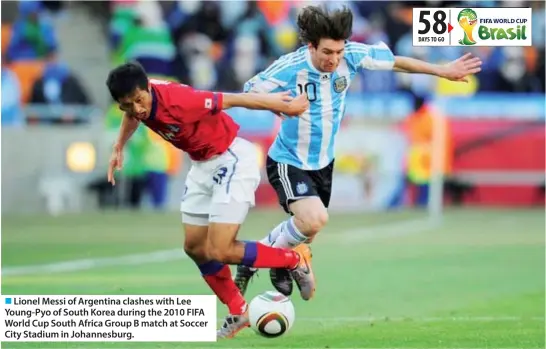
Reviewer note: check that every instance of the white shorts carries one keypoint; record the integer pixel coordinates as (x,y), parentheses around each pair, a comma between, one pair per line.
(222,189)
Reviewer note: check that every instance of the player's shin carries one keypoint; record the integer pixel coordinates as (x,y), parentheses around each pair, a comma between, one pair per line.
(218,276)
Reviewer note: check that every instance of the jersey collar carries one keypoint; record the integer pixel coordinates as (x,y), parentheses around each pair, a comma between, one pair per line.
(154,104)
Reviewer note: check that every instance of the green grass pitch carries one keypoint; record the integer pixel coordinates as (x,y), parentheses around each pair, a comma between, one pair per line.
(476,281)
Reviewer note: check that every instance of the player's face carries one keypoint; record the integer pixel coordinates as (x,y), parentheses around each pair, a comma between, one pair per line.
(137,105)
(328,54)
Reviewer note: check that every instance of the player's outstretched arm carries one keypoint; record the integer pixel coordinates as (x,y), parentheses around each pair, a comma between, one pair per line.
(456,70)
(275,102)
(128,127)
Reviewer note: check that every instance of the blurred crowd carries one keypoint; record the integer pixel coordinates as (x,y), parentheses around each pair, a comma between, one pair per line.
(221,44)
(31,70)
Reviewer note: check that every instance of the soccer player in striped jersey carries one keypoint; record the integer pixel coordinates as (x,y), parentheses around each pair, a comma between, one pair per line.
(300,162)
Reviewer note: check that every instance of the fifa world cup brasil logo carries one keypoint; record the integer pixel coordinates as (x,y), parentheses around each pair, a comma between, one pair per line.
(467,20)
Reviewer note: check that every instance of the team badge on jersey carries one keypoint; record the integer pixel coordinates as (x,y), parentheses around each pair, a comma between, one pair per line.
(173,128)
(340,84)
(301,188)
(170,133)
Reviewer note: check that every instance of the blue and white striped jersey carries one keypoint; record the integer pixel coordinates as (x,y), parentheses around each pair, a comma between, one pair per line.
(307,142)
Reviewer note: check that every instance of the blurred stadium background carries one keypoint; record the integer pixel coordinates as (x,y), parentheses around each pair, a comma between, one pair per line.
(65,230)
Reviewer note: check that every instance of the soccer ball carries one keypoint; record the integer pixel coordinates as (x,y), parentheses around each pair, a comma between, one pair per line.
(271,314)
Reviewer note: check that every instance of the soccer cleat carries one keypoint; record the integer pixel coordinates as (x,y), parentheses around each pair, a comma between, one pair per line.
(303,273)
(243,276)
(232,325)
(281,280)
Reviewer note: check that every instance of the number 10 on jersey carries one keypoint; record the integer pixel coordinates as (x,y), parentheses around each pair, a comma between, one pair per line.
(432,27)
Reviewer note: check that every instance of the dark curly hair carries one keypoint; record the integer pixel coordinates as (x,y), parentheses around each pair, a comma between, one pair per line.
(317,23)
(124,79)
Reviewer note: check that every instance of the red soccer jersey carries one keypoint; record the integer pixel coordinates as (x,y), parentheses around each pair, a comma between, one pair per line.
(191,120)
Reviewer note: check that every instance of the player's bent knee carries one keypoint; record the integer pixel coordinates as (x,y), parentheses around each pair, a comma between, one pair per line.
(195,240)
(319,221)
(312,223)
(315,222)
(311,216)
(195,250)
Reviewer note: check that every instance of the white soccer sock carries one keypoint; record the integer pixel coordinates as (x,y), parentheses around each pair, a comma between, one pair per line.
(273,235)
(290,236)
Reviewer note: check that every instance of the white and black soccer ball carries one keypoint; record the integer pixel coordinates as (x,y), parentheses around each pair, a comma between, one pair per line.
(271,314)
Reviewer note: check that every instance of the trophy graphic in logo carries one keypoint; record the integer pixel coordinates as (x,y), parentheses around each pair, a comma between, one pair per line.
(467,20)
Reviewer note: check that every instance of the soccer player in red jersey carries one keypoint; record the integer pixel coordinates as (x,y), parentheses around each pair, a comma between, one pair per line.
(221,183)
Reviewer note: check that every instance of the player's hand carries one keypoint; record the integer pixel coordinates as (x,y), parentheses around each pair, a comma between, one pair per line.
(116,161)
(459,69)
(295,106)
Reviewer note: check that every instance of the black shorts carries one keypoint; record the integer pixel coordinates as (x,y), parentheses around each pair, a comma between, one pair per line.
(292,183)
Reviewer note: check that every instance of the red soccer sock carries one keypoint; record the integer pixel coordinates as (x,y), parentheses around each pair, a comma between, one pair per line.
(220,281)
(258,255)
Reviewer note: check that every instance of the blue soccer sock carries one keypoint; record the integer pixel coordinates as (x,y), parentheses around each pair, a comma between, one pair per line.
(210,268)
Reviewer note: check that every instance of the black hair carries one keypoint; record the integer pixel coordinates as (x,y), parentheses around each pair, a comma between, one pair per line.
(317,23)
(123,80)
